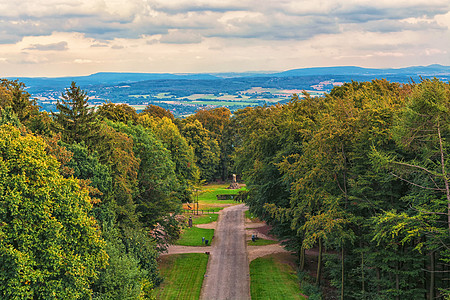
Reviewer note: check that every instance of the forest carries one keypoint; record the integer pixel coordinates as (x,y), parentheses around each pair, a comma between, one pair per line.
(90,198)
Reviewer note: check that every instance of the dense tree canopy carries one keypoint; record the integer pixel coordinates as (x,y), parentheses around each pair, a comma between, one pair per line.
(50,246)
(205,146)
(90,199)
(361,171)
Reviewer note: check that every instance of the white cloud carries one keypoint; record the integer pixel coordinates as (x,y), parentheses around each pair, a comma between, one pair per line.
(227,35)
(82,61)
(61,46)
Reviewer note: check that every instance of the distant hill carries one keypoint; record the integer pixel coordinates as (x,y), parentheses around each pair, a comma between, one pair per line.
(42,84)
(183,94)
(431,70)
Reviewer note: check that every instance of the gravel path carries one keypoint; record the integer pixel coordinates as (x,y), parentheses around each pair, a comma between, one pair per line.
(227,275)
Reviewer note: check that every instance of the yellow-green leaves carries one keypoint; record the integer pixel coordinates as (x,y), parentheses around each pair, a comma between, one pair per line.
(49,247)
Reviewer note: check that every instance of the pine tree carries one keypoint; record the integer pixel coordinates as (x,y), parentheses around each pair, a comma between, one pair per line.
(75,120)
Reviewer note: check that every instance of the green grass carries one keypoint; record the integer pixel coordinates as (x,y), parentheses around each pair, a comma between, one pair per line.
(261,242)
(271,279)
(204,219)
(193,236)
(183,276)
(250,216)
(209,196)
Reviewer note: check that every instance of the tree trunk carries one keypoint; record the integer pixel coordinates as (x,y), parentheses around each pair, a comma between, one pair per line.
(342,273)
(378,280)
(363,283)
(444,175)
(319,264)
(302,259)
(397,280)
(432,274)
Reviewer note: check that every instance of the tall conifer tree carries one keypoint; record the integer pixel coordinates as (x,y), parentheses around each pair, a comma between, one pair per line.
(75,119)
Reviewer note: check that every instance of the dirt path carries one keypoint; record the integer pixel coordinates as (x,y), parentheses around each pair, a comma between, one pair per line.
(227,275)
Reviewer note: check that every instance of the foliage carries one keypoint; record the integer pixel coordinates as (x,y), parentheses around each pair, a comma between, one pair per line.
(361,171)
(115,150)
(217,122)
(7,116)
(13,94)
(157,112)
(206,148)
(156,175)
(50,246)
(75,120)
(182,154)
(118,112)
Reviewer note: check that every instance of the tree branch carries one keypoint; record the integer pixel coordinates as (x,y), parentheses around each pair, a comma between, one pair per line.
(415,184)
(417,167)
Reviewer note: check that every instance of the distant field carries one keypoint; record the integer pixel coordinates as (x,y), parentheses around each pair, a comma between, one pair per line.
(225,103)
(139,107)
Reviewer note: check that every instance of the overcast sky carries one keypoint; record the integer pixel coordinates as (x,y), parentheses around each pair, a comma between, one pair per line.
(80,37)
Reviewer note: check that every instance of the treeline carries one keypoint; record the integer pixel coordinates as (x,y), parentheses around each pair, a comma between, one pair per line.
(89,198)
(362,175)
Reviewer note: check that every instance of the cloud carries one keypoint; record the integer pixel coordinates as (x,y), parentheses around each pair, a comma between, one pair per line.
(27,58)
(180,37)
(61,46)
(271,20)
(82,61)
(238,33)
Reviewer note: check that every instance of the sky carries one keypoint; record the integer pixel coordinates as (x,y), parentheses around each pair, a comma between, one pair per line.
(80,37)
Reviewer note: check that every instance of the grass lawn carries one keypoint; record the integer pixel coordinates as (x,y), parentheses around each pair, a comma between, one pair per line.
(250,216)
(261,242)
(272,279)
(193,236)
(183,276)
(209,196)
(204,219)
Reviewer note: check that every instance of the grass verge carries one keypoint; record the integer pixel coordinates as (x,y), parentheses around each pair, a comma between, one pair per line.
(193,236)
(204,219)
(261,242)
(272,279)
(183,276)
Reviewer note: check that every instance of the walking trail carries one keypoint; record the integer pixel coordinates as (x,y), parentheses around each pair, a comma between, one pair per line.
(227,275)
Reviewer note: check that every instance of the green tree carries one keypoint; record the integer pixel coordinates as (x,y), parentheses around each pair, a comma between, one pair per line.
(118,112)
(115,150)
(206,148)
(13,94)
(181,153)
(75,120)
(50,246)
(421,162)
(14,97)
(217,121)
(157,179)
(157,112)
